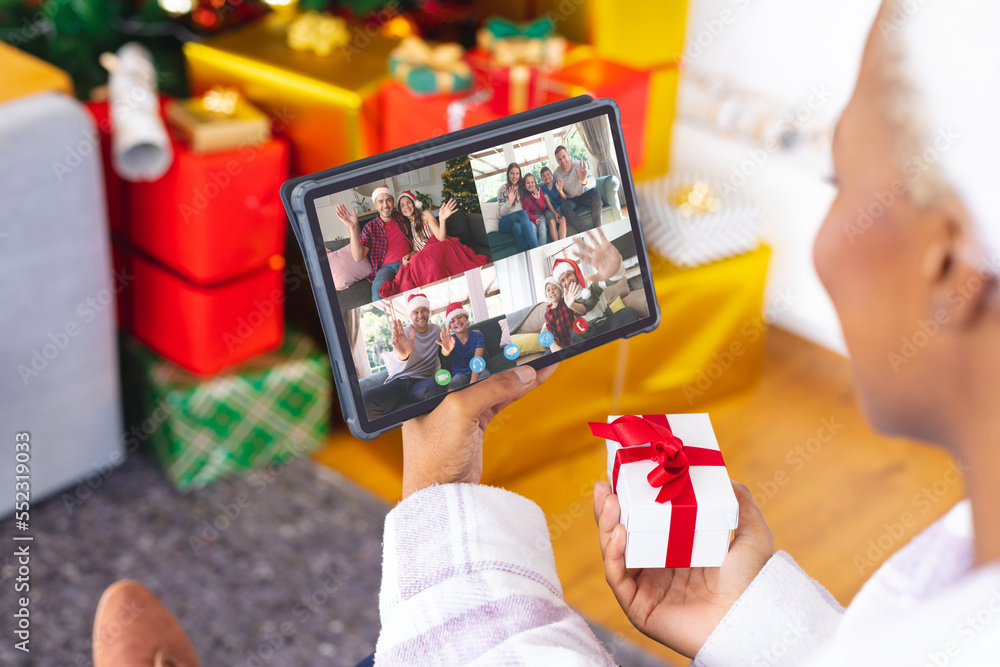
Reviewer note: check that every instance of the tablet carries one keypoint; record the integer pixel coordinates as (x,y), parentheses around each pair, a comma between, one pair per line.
(438,264)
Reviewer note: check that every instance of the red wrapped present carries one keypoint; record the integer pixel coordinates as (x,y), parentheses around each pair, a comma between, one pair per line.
(114,187)
(627,86)
(409,117)
(207,328)
(213,216)
(122,266)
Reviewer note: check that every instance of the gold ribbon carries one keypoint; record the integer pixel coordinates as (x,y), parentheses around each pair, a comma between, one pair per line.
(220,100)
(444,60)
(694,199)
(318,33)
(547,53)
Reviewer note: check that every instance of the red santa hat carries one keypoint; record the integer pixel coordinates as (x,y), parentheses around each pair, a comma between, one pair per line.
(552,280)
(381,190)
(454,310)
(562,266)
(409,193)
(415,301)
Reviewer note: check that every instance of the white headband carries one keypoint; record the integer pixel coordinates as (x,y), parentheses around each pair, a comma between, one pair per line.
(951,56)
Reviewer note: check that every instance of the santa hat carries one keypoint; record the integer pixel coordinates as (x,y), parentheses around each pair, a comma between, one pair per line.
(415,301)
(454,310)
(562,266)
(409,193)
(380,190)
(552,280)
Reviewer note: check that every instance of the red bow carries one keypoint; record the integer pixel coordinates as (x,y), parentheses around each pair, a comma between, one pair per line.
(649,438)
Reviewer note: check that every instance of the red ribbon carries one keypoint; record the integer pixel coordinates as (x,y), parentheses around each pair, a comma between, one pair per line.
(649,438)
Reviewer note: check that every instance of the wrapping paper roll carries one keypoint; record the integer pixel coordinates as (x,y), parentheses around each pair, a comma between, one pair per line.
(140,147)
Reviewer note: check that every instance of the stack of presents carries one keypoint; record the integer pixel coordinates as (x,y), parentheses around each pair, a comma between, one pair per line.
(203,247)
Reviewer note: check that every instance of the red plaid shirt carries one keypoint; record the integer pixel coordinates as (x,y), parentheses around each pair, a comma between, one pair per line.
(374,237)
(559,321)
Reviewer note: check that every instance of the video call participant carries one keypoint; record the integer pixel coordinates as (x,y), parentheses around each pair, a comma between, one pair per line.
(468,344)
(558,315)
(540,210)
(512,218)
(413,380)
(423,224)
(576,188)
(585,296)
(385,240)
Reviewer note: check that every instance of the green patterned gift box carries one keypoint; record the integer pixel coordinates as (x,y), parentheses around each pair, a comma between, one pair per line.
(267,410)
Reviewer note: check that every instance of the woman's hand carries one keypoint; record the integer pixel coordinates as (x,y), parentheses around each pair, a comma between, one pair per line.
(446,445)
(680,607)
(447,209)
(511,192)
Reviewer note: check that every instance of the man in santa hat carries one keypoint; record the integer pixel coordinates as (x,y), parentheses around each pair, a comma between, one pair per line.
(585,295)
(385,240)
(416,348)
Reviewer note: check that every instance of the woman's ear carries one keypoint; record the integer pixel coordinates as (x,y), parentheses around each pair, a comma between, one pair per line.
(961,286)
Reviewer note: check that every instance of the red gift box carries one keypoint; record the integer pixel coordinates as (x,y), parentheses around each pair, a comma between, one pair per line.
(514,88)
(213,216)
(206,328)
(409,117)
(121,264)
(114,187)
(627,86)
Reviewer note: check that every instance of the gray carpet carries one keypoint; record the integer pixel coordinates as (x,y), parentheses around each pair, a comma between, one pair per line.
(291,580)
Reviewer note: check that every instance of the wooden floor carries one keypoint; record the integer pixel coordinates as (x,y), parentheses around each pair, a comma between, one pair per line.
(834,493)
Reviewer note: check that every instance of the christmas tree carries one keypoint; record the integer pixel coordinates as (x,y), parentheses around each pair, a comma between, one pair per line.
(459,185)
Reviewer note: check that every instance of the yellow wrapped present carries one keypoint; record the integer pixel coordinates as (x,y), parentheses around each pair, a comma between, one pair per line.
(219,120)
(22,74)
(325,105)
(640,33)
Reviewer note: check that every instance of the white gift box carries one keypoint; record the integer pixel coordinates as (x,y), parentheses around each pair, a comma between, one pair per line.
(647,522)
(701,238)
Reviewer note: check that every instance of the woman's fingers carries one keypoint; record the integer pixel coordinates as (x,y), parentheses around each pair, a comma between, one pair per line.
(607,512)
(622,584)
(751,530)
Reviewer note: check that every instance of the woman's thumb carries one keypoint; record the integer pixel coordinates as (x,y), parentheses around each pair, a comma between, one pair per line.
(495,390)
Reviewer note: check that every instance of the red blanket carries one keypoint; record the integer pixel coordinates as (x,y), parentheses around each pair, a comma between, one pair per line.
(436,261)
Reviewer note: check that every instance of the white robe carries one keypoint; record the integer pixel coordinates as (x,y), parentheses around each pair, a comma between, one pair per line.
(469,578)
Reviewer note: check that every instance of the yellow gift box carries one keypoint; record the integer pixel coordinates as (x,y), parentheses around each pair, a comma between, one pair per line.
(219,120)
(639,33)
(660,113)
(710,342)
(325,105)
(22,74)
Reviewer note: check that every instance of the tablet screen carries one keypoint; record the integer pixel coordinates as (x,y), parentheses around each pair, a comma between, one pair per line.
(459,269)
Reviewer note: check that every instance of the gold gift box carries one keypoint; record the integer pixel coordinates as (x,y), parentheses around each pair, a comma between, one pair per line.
(206,130)
(22,74)
(326,106)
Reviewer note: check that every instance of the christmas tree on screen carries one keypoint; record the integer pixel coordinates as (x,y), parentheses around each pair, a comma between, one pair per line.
(458,184)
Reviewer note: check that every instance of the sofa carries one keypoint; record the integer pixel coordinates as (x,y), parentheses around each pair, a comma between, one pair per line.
(502,244)
(466,227)
(495,359)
